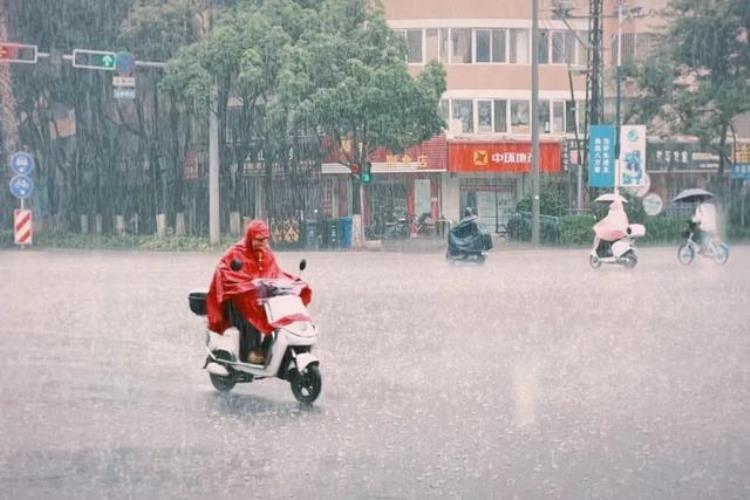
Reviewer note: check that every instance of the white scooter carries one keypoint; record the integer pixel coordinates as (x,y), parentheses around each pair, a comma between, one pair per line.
(289,357)
(621,251)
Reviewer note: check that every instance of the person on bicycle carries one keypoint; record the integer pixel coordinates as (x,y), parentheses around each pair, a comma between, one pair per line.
(704,219)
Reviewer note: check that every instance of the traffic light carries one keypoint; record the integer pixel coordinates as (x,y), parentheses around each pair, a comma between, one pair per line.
(366,173)
(93,59)
(354,168)
(17,53)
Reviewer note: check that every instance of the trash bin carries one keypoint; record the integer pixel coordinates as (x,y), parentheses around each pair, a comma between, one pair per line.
(346,232)
(328,237)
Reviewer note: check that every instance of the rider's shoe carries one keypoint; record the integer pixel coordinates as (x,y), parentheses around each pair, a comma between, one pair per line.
(256,357)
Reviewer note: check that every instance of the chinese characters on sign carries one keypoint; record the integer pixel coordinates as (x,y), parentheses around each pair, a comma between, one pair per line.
(602,156)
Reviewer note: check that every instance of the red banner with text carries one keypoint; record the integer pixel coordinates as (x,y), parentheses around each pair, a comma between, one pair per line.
(499,157)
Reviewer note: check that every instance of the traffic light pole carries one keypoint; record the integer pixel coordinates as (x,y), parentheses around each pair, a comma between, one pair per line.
(213,169)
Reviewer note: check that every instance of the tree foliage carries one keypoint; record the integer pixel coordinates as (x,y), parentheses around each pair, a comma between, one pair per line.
(699,83)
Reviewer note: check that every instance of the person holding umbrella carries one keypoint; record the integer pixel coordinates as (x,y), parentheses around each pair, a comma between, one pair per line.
(703,222)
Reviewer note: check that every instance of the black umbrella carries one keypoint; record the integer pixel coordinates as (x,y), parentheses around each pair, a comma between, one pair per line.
(694,194)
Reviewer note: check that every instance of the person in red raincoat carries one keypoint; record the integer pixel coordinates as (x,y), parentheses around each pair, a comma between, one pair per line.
(232,298)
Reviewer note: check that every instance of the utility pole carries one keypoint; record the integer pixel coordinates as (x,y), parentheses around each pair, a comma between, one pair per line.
(535,122)
(617,98)
(214,220)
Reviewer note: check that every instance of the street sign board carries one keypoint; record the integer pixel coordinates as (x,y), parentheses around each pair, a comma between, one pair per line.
(21,186)
(124,93)
(124,63)
(22,163)
(652,204)
(602,156)
(123,81)
(632,155)
(741,164)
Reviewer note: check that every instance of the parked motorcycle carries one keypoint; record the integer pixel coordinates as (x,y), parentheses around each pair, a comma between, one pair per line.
(621,251)
(714,248)
(289,356)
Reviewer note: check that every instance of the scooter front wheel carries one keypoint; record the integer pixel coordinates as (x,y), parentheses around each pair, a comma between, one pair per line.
(630,260)
(306,386)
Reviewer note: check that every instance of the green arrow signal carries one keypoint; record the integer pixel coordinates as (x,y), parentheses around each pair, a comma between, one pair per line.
(108,61)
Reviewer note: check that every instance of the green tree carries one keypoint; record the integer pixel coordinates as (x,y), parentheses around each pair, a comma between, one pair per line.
(698,84)
(348,82)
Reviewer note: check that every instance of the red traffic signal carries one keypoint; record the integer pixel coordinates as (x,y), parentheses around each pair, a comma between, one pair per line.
(355,169)
(17,53)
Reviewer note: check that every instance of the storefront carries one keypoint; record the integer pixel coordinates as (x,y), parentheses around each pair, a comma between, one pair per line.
(491,177)
(402,186)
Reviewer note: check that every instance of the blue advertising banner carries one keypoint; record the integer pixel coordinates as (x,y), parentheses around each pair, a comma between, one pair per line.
(602,156)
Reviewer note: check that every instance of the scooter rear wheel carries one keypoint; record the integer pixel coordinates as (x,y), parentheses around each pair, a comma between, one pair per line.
(221,384)
(594,261)
(306,386)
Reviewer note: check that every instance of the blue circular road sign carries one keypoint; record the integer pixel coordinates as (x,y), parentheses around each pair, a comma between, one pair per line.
(22,163)
(124,63)
(21,186)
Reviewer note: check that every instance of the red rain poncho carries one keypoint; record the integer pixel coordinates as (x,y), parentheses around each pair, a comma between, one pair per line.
(237,285)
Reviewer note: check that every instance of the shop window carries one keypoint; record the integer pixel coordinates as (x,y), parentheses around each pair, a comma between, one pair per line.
(519,46)
(461,43)
(463,111)
(501,115)
(484,116)
(498,45)
(519,117)
(483,46)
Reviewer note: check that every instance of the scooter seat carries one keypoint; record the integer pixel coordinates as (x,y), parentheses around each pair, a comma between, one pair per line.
(197,302)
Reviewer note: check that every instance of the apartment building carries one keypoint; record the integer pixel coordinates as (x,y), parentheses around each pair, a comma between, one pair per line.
(485,47)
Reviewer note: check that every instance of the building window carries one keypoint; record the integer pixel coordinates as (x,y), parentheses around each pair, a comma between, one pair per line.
(519,117)
(544,37)
(483,46)
(463,111)
(544,117)
(498,45)
(444,109)
(436,44)
(558,117)
(414,46)
(484,116)
(501,115)
(628,48)
(582,53)
(461,42)
(519,46)
(570,118)
(558,47)
(570,47)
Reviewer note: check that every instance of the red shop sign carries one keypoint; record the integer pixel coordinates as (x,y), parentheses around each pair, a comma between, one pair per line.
(502,157)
